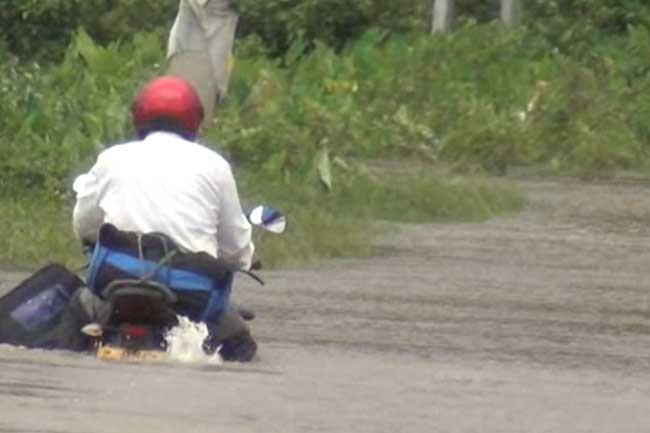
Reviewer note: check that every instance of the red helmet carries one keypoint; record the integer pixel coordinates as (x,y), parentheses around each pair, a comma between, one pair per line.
(170,104)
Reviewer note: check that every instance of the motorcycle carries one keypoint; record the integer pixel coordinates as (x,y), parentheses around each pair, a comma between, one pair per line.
(139,312)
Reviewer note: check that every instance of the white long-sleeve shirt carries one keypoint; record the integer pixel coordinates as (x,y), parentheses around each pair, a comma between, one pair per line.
(168,185)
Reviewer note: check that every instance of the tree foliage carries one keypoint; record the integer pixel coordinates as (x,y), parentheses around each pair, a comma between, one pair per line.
(43,28)
(575,26)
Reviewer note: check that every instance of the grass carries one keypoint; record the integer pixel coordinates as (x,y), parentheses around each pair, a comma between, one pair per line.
(37,229)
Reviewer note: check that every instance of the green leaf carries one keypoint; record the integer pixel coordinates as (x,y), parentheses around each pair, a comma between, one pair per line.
(85,46)
(324,168)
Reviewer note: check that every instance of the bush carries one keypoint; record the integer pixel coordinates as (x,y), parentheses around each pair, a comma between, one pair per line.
(54,120)
(454,97)
(42,29)
(335,22)
(575,26)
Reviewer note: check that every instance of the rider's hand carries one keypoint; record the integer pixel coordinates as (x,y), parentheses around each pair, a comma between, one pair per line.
(256,265)
(87,246)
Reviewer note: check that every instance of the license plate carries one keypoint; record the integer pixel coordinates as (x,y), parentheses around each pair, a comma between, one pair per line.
(108,353)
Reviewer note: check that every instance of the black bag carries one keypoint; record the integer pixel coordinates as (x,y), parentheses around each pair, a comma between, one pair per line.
(37,307)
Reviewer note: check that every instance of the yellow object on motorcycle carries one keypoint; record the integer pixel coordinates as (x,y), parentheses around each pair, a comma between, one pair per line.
(109,353)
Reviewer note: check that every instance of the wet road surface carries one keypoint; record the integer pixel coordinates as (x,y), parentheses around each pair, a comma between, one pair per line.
(538,322)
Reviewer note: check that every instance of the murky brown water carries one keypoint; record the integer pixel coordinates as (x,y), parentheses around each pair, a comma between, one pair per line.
(538,322)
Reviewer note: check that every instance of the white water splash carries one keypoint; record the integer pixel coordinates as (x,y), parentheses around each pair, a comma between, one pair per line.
(184,343)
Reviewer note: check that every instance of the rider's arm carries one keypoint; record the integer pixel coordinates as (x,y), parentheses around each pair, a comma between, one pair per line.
(87,216)
(234,231)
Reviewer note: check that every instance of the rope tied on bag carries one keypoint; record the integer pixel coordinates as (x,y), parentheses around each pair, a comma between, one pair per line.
(166,259)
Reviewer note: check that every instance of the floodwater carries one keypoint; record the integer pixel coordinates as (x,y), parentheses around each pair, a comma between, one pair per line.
(537,322)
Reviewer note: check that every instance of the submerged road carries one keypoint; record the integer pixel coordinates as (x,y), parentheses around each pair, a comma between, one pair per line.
(537,322)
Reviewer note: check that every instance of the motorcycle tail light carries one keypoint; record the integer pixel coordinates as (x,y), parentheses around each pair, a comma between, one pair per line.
(134,331)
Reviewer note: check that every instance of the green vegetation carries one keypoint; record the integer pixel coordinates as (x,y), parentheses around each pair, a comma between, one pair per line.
(313,100)
(37,228)
(43,28)
(342,223)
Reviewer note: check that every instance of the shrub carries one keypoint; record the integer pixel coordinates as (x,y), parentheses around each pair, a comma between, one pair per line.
(43,28)
(454,97)
(53,120)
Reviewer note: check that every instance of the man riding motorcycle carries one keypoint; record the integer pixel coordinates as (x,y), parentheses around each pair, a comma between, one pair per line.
(161,209)
(166,183)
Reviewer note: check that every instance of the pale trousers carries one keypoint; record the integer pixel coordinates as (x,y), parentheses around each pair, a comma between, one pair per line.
(206,26)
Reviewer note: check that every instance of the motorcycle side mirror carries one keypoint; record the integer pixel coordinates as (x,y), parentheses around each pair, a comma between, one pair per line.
(268,218)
